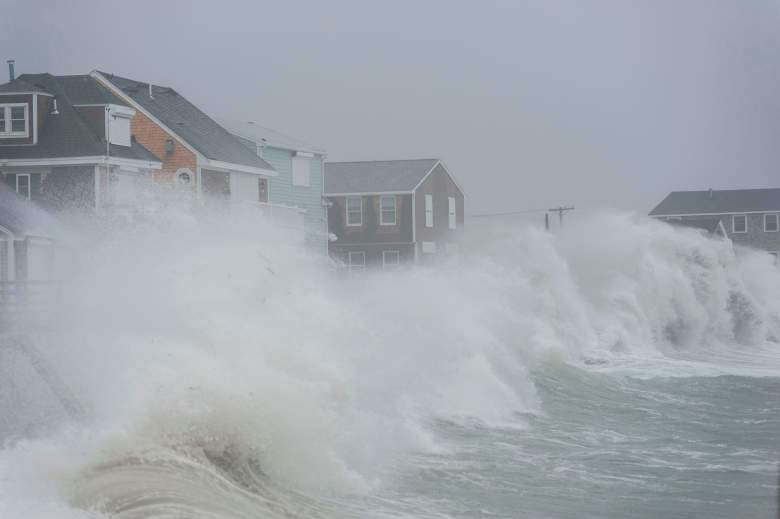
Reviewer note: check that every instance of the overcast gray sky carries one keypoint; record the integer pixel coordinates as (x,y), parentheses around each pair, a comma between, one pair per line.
(530,103)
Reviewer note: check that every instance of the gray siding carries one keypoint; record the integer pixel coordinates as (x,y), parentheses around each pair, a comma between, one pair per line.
(755,236)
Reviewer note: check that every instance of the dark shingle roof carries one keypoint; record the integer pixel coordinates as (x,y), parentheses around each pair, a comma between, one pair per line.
(85,90)
(67,134)
(190,123)
(22,85)
(718,202)
(384,176)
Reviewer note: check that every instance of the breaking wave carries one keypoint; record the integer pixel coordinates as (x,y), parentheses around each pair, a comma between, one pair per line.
(228,373)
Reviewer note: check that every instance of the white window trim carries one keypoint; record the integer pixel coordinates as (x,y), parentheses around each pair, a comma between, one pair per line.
(733,223)
(356,266)
(29,184)
(267,190)
(382,212)
(187,171)
(346,211)
(452,212)
(6,107)
(385,264)
(429,210)
(777,221)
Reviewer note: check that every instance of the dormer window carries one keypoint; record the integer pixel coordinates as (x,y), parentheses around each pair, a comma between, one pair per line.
(14,121)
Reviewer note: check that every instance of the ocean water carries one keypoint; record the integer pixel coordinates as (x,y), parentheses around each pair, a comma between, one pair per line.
(224,372)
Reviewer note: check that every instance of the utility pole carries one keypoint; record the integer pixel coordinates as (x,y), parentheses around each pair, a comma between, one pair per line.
(561,211)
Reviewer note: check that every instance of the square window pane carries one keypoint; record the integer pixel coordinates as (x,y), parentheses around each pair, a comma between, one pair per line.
(17,126)
(2,125)
(17,112)
(771,222)
(740,223)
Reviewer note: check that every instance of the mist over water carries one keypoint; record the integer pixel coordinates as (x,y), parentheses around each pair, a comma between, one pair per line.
(618,368)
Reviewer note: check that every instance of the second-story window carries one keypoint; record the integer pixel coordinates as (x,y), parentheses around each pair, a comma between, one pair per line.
(13,120)
(739,223)
(354,210)
(387,214)
(771,223)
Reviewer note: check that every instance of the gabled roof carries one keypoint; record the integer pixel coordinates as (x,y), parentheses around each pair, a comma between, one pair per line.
(719,202)
(83,89)
(66,134)
(20,85)
(260,134)
(187,121)
(381,176)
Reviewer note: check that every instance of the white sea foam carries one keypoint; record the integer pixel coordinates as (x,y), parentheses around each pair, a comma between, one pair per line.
(223,364)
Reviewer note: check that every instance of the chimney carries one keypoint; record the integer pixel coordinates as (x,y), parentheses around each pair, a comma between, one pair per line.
(11,69)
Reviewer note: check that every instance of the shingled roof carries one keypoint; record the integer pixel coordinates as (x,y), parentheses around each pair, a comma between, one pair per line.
(719,202)
(20,85)
(67,134)
(381,176)
(188,122)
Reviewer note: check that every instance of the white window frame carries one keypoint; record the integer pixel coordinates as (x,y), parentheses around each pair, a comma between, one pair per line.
(776,255)
(382,211)
(354,266)
(189,173)
(429,210)
(385,264)
(29,184)
(777,222)
(346,210)
(267,190)
(734,223)
(6,109)
(452,211)
(301,171)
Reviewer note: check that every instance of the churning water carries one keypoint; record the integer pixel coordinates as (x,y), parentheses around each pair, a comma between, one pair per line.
(618,369)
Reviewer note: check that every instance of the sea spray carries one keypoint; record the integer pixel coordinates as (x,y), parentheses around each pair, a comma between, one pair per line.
(230,373)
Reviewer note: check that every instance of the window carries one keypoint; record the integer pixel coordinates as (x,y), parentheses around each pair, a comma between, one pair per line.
(354,210)
(262,190)
(23,185)
(356,261)
(739,223)
(429,247)
(452,212)
(390,259)
(387,211)
(301,171)
(13,120)
(771,223)
(429,210)
(184,177)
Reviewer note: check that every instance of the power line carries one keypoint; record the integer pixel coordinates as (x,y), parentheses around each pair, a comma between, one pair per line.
(507,213)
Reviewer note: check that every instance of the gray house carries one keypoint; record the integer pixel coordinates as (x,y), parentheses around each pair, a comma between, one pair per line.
(749,217)
(384,213)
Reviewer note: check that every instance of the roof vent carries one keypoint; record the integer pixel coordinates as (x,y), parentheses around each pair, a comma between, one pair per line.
(11,76)
(709,193)
(54,110)
(150,91)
